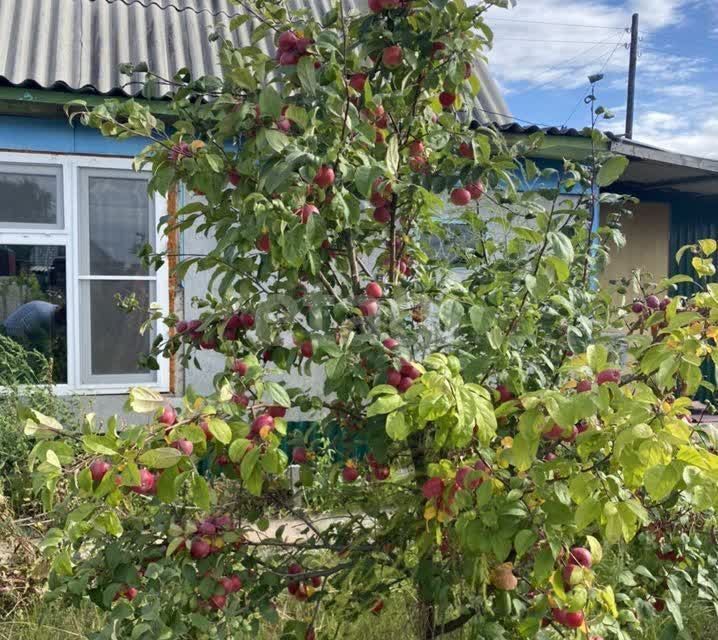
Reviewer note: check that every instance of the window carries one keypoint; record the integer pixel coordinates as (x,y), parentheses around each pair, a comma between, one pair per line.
(70,231)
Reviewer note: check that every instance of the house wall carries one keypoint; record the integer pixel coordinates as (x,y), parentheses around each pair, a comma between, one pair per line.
(647,234)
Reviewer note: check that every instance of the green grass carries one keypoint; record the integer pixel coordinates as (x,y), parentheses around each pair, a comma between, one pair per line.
(44,622)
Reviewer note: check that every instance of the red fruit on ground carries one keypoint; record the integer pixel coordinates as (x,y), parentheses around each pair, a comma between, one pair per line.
(392,56)
(349,474)
(200,548)
(131,593)
(369,308)
(608,375)
(390,343)
(240,367)
(263,243)
(580,556)
(306,349)
(432,488)
(357,81)
(584,385)
(446,98)
(460,197)
(299,455)
(382,214)
(393,377)
(98,469)
(168,416)
(373,290)
(324,177)
(185,446)
(378,606)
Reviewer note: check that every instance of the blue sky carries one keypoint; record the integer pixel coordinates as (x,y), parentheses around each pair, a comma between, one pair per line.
(545,49)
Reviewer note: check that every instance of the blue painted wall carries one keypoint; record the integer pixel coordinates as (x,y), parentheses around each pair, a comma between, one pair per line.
(56,135)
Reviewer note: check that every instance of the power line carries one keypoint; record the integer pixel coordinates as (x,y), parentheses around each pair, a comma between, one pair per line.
(582,99)
(558,24)
(553,41)
(563,63)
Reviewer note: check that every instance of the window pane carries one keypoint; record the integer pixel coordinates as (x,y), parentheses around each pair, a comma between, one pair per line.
(113,343)
(29,195)
(33,295)
(119,225)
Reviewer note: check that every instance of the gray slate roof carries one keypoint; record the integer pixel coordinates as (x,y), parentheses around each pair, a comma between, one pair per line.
(80,44)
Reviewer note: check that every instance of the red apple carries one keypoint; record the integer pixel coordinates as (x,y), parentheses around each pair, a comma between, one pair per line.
(390,343)
(205,428)
(240,399)
(580,556)
(240,367)
(98,469)
(264,421)
(287,41)
(408,370)
(288,59)
(608,375)
(432,488)
(378,606)
(583,386)
(185,446)
(276,411)
(349,474)
(393,377)
(234,177)
(148,482)
(505,394)
(554,433)
(652,302)
(637,307)
(181,326)
(168,416)
(246,319)
(357,81)
(130,593)
(392,56)
(404,384)
(306,211)
(373,290)
(263,243)
(299,455)
(218,602)
(460,197)
(324,177)
(206,528)
(375,6)
(369,308)
(465,150)
(382,214)
(446,98)
(476,189)
(306,349)
(416,148)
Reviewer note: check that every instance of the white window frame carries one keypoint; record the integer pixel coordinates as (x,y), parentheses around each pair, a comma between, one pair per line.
(69,236)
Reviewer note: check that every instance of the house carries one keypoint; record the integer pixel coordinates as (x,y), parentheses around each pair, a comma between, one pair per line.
(72,212)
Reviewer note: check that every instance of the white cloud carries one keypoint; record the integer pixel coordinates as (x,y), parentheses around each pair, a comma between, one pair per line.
(548,45)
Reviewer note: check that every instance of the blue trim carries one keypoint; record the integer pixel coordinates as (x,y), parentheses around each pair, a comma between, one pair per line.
(56,135)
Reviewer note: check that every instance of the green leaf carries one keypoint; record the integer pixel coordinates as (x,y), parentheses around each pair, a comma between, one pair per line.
(703,266)
(587,512)
(307,74)
(523,541)
(110,522)
(166,489)
(41,426)
(451,312)
(238,448)
(543,566)
(385,404)
(481,318)
(392,155)
(275,139)
(199,492)
(220,430)
(277,393)
(364,179)
(270,102)
(382,390)
(141,400)
(660,480)
(611,170)
(297,115)
(103,445)
(161,458)
(708,247)
(396,426)
(561,246)
(597,356)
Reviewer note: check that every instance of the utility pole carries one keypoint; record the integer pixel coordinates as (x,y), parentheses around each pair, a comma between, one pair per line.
(630,104)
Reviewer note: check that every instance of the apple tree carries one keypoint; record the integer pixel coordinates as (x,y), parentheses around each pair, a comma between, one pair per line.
(503,422)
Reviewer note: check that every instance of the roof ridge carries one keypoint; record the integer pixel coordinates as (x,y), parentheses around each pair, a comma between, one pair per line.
(168,5)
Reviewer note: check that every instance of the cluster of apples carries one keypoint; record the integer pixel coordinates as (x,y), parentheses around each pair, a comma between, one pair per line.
(435,489)
(301,589)
(291,47)
(461,196)
(650,304)
(377,6)
(574,573)
(148,480)
(401,379)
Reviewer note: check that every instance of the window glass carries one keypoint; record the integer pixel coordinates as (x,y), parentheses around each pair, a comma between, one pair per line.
(119,225)
(33,303)
(113,344)
(30,196)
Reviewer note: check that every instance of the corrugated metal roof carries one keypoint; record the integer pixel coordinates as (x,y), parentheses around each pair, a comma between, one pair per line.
(80,44)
